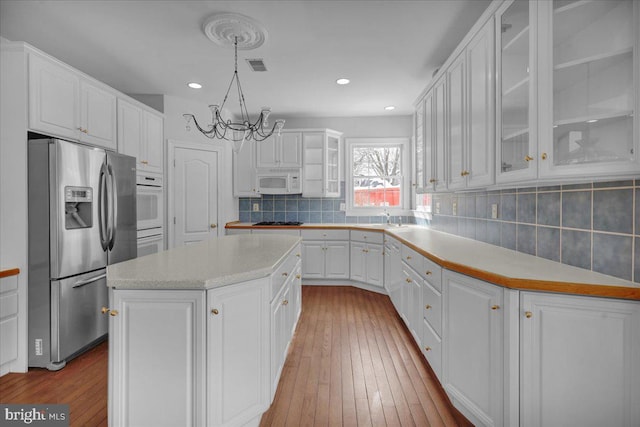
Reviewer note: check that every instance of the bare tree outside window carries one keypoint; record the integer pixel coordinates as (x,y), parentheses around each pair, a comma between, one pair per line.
(377,175)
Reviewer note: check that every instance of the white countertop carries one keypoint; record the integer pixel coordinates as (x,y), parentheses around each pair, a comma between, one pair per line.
(208,264)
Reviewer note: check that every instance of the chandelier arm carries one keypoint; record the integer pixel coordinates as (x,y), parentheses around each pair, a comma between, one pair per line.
(203,131)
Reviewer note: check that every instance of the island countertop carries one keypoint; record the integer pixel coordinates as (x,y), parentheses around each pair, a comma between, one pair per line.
(208,264)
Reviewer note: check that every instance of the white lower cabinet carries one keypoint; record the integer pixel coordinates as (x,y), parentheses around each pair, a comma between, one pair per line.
(238,347)
(157,358)
(472,347)
(580,361)
(393,271)
(325,259)
(366,263)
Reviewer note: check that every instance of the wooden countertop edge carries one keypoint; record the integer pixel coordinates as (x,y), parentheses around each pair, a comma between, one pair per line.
(231,225)
(10,272)
(607,291)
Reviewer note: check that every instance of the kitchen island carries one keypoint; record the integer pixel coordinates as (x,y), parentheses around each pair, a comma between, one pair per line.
(198,334)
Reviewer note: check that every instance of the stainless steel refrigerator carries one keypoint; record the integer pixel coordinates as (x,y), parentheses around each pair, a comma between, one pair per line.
(82,217)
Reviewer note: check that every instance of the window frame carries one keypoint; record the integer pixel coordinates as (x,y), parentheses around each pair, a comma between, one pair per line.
(405,195)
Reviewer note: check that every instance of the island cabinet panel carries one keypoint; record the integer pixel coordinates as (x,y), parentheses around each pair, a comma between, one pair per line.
(156,358)
(238,353)
(472,347)
(580,361)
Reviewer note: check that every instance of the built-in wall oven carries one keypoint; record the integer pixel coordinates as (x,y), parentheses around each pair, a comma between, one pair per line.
(150,207)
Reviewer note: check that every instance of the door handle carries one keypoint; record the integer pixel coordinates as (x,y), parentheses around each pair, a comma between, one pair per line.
(102,208)
(81,283)
(114,207)
(214,225)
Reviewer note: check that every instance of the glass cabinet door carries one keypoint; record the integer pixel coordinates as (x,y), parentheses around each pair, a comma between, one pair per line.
(419,149)
(515,118)
(590,65)
(333,167)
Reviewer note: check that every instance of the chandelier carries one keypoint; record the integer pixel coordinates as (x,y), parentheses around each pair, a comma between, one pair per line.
(241,130)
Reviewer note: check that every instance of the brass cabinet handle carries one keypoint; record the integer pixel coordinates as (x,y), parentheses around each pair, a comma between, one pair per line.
(464,173)
(83,130)
(214,225)
(285,302)
(428,307)
(113,313)
(429,272)
(427,348)
(408,280)
(298,255)
(144,162)
(528,314)
(495,307)
(528,158)
(432,180)
(408,256)
(544,156)
(104,310)
(285,274)
(297,276)
(215,311)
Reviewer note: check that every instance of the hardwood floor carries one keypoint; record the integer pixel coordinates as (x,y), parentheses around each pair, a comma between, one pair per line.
(82,384)
(352,362)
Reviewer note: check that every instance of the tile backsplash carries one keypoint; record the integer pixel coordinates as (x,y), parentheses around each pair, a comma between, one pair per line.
(594,226)
(294,207)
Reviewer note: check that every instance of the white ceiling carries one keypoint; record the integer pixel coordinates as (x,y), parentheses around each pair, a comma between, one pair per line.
(389,49)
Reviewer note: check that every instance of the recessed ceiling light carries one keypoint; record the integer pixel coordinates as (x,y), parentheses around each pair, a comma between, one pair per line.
(592,121)
(390,107)
(343,81)
(194,85)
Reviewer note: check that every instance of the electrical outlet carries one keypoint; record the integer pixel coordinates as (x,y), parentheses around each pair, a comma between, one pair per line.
(256,207)
(454,208)
(437,207)
(343,207)
(494,211)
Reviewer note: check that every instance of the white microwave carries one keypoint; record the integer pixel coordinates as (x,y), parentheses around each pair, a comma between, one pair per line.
(279,181)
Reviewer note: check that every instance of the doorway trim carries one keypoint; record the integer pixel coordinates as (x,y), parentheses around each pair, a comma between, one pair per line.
(172,145)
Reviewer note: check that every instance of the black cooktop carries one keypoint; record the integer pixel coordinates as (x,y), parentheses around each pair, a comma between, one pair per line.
(280,223)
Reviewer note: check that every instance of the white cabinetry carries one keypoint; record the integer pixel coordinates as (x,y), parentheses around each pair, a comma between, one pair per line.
(366,257)
(470,114)
(64,103)
(8,322)
(321,163)
(472,347)
(140,134)
(280,151)
(393,270)
(244,170)
(237,347)
(157,358)
(580,361)
(325,254)
(420,133)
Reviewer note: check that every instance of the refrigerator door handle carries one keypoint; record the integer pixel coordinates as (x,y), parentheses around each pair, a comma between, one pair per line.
(113,204)
(81,283)
(103,208)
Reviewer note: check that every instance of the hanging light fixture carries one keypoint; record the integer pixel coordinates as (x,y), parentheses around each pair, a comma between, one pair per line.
(243,129)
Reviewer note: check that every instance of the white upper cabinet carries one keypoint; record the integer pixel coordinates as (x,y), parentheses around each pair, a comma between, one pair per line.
(456,123)
(434,134)
(63,103)
(588,72)
(244,170)
(516,92)
(140,134)
(420,144)
(280,151)
(321,163)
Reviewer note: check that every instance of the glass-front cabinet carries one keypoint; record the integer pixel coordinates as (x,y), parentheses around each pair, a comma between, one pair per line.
(419,122)
(589,69)
(516,91)
(333,165)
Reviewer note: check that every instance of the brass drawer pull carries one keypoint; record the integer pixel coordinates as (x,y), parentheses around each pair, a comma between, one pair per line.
(528,314)
(215,311)
(428,307)
(495,307)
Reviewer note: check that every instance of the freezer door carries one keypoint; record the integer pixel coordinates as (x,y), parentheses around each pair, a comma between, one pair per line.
(76,319)
(76,198)
(123,228)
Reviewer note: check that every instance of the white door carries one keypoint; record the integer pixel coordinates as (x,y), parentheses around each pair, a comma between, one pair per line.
(195,195)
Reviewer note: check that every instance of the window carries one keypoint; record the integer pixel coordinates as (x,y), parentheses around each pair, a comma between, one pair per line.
(377,175)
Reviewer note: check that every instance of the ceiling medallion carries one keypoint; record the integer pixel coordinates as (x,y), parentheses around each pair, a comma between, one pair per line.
(224,28)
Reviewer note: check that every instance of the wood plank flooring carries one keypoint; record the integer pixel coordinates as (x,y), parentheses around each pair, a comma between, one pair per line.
(352,363)
(82,384)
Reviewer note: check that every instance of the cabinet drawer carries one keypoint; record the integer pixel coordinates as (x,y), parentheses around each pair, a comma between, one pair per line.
(325,234)
(283,272)
(432,273)
(8,305)
(432,307)
(413,259)
(392,243)
(8,284)
(367,236)
(432,349)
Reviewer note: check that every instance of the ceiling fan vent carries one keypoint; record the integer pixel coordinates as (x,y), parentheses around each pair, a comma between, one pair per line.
(257,64)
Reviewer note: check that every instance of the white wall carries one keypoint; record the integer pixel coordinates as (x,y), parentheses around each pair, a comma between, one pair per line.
(356,127)
(174,129)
